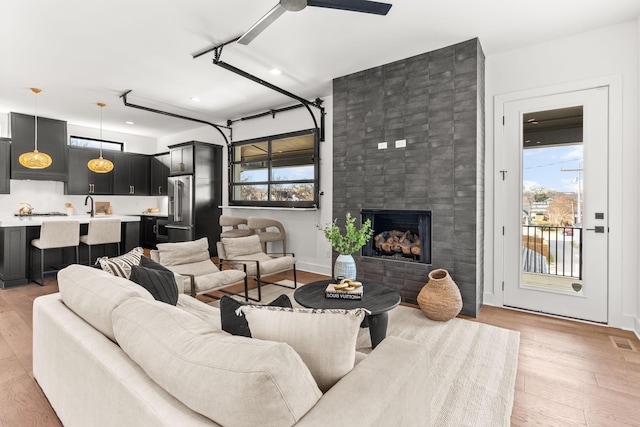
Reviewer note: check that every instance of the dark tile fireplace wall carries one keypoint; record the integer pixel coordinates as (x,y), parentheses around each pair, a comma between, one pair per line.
(434,101)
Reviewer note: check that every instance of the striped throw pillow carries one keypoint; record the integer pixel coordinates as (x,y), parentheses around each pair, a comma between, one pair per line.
(121,265)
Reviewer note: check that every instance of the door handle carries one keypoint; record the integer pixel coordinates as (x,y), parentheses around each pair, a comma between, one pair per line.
(597,229)
(178,227)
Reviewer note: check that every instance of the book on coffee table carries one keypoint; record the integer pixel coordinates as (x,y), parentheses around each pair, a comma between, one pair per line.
(332,292)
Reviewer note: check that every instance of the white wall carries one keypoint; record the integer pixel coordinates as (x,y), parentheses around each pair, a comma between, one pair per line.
(637,322)
(608,52)
(312,251)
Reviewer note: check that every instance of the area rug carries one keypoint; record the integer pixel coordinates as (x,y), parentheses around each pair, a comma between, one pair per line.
(473,365)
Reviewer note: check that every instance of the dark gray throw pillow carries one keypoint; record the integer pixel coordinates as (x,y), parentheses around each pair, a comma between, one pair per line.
(236,324)
(160,283)
(149,263)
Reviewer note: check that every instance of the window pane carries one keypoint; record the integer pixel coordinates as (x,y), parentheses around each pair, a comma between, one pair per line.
(252,152)
(250,192)
(296,192)
(251,172)
(95,143)
(293,146)
(292,170)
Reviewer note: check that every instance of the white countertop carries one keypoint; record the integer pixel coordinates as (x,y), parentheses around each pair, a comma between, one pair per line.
(160,214)
(32,221)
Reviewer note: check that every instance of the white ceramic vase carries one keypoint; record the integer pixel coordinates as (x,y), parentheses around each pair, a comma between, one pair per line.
(345,267)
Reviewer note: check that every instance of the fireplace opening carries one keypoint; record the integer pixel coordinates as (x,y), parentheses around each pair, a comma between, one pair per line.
(403,235)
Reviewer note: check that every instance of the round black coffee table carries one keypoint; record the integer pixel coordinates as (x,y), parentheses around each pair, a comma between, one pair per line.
(376,298)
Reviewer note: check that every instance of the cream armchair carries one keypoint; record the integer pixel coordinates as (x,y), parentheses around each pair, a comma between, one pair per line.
(268,230)
(246,253)
(191,261)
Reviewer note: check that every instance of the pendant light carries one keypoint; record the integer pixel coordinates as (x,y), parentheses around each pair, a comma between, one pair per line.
(100,165)
(35,159)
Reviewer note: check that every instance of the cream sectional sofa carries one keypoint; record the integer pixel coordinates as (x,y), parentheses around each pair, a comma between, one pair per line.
(188,372)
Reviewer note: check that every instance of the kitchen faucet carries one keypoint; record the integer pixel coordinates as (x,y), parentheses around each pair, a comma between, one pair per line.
(92,212)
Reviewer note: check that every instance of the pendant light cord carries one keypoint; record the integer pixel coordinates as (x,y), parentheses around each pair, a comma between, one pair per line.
(101,105)
(35,141)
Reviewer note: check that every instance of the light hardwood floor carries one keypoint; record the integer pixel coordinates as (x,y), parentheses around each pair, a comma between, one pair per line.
(569,373)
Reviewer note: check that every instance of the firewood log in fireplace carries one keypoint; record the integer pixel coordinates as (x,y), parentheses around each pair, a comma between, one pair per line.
(395,241)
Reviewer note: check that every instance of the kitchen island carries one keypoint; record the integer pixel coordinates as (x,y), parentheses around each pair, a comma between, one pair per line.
(17,232)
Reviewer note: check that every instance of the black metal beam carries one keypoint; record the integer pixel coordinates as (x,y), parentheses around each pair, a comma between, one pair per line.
(178,116)
(211,49)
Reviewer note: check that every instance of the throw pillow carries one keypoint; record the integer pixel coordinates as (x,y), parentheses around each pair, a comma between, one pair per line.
(324,339)
(184,252)
(161,284)
(239,246)
(149,263)
(234,322)
(121,265)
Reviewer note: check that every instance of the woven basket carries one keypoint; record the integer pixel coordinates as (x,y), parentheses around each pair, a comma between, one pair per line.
(440,298)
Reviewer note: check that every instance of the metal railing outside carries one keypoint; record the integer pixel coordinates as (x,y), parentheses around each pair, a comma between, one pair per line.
(552,250)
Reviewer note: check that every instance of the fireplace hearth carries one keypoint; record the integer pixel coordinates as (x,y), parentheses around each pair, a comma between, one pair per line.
(401,235)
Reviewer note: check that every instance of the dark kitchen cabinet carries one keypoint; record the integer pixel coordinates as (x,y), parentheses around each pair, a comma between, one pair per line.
(160,165)
(52,140)
(81,179)
(181,160)
(152,231)
(131,174)
(5,150)
(13,259)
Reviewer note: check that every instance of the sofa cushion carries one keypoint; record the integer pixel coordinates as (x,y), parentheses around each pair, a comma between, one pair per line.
(324,339)
(231,380)
(121,265)
(160,283)
(184,252)
(202,311)
(93,294)
(234,322)
(268,265)
(239,246)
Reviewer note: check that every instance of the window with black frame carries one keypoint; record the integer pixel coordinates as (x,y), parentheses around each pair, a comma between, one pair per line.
(80,141)
(280,171)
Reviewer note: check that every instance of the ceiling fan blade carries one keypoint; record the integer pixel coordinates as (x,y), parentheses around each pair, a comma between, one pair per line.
(262,24)
(365,6)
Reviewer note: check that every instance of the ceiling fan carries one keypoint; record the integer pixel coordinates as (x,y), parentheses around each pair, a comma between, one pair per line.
(364,6)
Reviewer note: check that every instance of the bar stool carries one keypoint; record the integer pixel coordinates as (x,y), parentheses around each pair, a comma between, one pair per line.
(102,232)
(234,222)
(54,235)
(259,226)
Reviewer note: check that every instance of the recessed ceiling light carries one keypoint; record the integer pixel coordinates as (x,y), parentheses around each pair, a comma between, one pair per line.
(275,72)
(130,122)
(195,99)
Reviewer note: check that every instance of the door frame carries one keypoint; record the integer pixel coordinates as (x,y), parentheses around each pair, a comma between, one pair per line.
(494,295)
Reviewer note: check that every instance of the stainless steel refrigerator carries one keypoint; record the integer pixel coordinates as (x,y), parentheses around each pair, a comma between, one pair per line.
(181,214)
(194,190)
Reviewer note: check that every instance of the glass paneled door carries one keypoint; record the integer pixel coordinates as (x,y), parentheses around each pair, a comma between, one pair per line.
(555,207)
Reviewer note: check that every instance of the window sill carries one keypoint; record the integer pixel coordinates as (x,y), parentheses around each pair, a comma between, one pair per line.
(268,208)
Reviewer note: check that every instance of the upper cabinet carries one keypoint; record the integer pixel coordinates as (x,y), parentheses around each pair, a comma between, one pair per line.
(131,174)
(160,165)
(84,181)
(5,148)
(181,159)
(52,140)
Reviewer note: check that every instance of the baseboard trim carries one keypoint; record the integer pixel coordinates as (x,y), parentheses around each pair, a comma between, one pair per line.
(313,267)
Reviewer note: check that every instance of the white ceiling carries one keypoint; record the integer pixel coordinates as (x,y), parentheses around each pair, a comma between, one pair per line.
(81,52)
